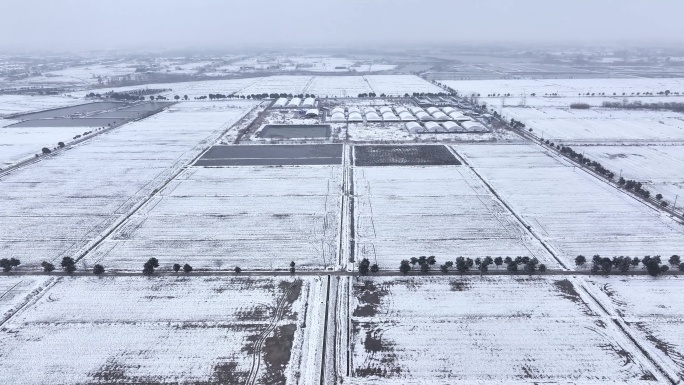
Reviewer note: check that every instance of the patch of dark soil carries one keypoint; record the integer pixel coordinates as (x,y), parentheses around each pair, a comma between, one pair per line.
(408,155)
(226,373)
(294,287)
(459,285)
(648,376)
(568,289)
(600,323)
(370,296)
(110,373)
(669,349)
(277,352)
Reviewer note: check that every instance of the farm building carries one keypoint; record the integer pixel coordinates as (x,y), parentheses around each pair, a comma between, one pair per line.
(354,109)
(459,117)
(451,127)
(423,116)
(355,117)
(433,127)
(399,110)
(415,110)
(473,127)
(439,115)
(405,115)
(373,117)
(309,102)
(294,102)
(311,113)
(414,128)
(432,110)
(448,110)
(337,110)
(281,102)
(338,117)
(385,109)
(389,116)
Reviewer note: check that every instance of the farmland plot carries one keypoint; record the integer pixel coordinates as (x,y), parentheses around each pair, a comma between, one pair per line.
(258,218)
(661,167)
(278,84)
(15,292)
(601,125)
(447,330)
(18,143)
(55,207)
(653,309)
(14,104)
(400,84)
(192,89)
(572,210)
(171,330)
(338,86)
(445,211)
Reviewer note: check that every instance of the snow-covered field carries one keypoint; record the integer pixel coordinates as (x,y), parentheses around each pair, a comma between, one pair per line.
(570,209)
(661,167)
(192,89)
(14,104)
(257,218)
(350,86)
(601,125)
(16,292)
(567,87)
(164,330)
(445,211)
(399,85)
(654,311)
(491,330)
(57,206)
(17,143)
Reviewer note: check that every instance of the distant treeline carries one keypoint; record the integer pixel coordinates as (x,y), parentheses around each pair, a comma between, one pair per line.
(673,106)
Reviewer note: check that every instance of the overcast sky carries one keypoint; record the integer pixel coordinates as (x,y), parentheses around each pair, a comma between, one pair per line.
(74,25)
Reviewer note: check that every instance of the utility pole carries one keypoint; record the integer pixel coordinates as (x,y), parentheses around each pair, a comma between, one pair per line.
(674,206)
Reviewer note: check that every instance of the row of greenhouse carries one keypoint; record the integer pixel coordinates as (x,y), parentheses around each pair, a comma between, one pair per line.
(295,102)
(444,127)
(396,114)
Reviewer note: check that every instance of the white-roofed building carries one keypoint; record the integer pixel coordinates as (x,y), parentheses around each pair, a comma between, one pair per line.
(423,116)
(311,113)
(432,110)
(414,128)
(399,110)
(309,102)
(385,109)
(451,127)
(354,109)
(406,116)
(416,109)
(355,117)
(294,102)
(337,110)
(439,115)
(473,127)
(373,117)
(459,117)
(448,110)
(338,117)
(281,102)
(389,117)
(433,127)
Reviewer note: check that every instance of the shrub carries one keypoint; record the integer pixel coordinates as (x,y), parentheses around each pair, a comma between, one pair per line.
(580,106)
(187,268)
(237,270)
(98,269)
(405,266)
(68,264)
(364,266)
(580,260)
(674,260)
(176,267)
(60,144)
(47,267)
(374,268)
(46,150)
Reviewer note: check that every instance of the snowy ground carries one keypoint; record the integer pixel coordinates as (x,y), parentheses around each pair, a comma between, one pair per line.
(18,143)
(660,167)
(14,104)
(16,292)
(494,330)
(258,218)
(570,209)
(163,330)
(445,211)
(600,125)
(57,206)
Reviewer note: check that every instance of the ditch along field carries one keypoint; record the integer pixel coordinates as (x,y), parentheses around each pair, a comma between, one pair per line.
(217,218)
(61,204)
(190,330)
(445,211)
(570,210)
(490,330)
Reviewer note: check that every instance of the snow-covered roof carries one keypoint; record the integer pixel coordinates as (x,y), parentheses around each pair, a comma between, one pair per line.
(399,110)
(416,109)
(337,110)
(458,116)
(414,127)
(433,127)
(368,110)
(294,102)
(473,127)
(405,115)
(439,115)
(281,102)
(373,117)
(389,115)
(448,110)
(312,112)
(385,109)
(355,117)
(451,126)
(354,109)
(432,110)
(422,115)
(309,102)
(338,117)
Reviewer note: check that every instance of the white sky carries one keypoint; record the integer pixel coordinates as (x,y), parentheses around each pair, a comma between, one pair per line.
(174,24)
